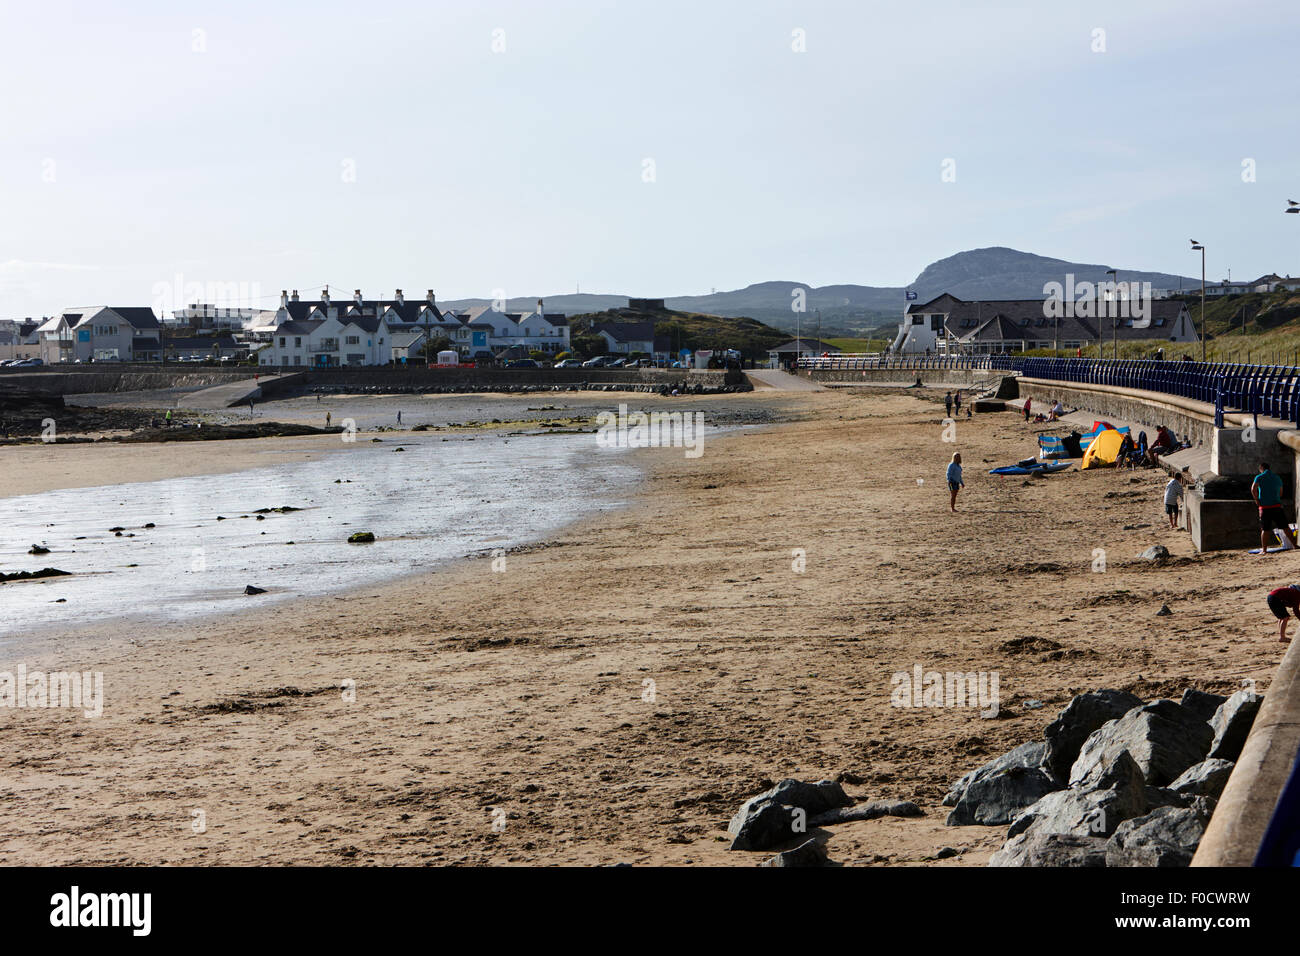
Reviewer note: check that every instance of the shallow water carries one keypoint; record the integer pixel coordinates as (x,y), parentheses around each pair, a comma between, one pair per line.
(434,502)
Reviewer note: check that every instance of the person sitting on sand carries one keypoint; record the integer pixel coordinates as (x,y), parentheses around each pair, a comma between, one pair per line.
(1125,454)
(1279,601)
(955,483)
(1057,410)
(1266,489)
(1173,495)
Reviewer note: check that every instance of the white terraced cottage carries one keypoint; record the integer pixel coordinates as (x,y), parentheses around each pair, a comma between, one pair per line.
(326,333)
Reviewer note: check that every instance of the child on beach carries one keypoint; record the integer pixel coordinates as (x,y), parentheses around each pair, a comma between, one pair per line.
(955,483)
(1028,402)
(1279,600)
(1173,495)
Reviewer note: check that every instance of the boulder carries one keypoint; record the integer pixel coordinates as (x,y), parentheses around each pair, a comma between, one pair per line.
(1231,724)
(1167,836)
(1082,812)
(1157,552)
(774,816)
(253,589)
(1081,716)
(1163,737)
(1051,849)
(811,853)
(1202,704)
(867,811)
(997,798)
(1026,755)
(1205,779)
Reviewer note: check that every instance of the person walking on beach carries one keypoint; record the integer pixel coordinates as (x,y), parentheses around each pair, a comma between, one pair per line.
(327,419)
(169,418)
(1266,489)
(955,484)
(250,408)
(1173,495)
(956,401)
(947,404)
(1280,600)
(399,416)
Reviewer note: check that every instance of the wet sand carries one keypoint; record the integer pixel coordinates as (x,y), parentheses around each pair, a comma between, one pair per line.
(525,690)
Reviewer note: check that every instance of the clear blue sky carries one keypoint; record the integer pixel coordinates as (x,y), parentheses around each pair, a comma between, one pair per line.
(131,158)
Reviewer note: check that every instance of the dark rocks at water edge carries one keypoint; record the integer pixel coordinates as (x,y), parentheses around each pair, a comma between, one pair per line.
(223,432)
(31,575)
(252,589)
(1128,783)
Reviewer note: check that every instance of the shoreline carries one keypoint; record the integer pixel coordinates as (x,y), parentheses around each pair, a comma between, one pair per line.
(526,691)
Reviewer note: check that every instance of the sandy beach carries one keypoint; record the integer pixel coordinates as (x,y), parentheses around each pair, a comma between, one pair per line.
(619,689)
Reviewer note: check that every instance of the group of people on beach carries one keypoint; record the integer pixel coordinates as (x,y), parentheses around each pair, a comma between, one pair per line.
(952,401)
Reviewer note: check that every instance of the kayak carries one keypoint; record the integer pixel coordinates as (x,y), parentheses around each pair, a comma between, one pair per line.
(1046,467)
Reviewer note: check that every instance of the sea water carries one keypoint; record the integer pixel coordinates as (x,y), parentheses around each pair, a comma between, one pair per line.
(433,502)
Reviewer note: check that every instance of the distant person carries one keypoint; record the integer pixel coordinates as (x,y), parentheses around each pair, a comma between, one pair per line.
(956,400)
(1028,403)
(1173,496)
(1057,411)
(250,408)
(327,419)
(399,416)
(1266,489)
(955,484)
(169,418)
(1280,601)
(947,404)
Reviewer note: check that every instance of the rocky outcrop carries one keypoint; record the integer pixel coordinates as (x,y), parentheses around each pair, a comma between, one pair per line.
(1231,724)
(1205,779)
(1163,737)
(1031,754)
(1167,836)
(1051,849)
(781,813)
(1000,796)
(1075,724)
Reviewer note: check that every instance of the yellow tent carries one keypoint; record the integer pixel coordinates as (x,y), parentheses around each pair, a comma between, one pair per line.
(1103,450)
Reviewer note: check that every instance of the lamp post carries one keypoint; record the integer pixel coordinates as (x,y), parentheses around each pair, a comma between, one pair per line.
(1199,246)
(1114,322)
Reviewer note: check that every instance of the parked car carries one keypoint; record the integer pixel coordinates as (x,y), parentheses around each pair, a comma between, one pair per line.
(600,361)
(523,363)
(569,363)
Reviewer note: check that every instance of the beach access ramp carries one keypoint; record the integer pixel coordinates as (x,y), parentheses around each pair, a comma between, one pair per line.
(233,394)
(781,380)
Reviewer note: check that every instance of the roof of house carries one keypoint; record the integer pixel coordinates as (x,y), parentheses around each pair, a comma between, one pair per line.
(202,342)
(299,326)
(409,310)
(627,331)
(139,317)
(1028,319)
(144,344)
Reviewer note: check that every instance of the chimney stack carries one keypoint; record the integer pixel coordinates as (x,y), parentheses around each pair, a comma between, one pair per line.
(356,297)
(325,297)
(431,302)
(399,297)
(294,297)
(284,298)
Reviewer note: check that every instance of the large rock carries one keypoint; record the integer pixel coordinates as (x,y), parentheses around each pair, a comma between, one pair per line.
(810,853)
(867,811)
(1081,716)
(1231,724)
(1026,755)
(1167,836)
(1205,779)
(1083,812)
(773,817)
(1201,703)
(1051,849)
(997,798)
(1163,737)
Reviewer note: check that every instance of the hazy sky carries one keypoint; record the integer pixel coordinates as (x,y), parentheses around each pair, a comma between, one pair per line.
(380,145)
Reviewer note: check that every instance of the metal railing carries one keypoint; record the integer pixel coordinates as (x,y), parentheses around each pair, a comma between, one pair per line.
(1272,390)
(854,361)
